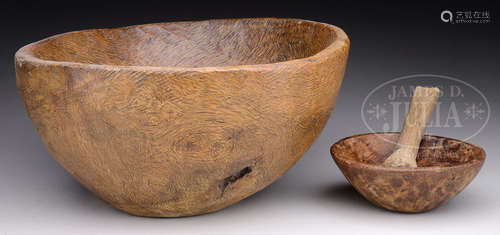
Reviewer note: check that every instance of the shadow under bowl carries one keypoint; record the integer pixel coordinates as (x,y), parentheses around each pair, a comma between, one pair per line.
(445,167)
(185,118)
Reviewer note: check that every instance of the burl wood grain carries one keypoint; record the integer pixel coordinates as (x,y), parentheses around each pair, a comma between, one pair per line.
(445,167)
(179,119)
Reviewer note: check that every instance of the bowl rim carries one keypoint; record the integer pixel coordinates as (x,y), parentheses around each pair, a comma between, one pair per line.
(25,53)
(353,163)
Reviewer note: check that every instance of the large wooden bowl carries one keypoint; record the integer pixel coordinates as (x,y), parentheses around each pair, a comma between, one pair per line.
(445,167)
(178,119)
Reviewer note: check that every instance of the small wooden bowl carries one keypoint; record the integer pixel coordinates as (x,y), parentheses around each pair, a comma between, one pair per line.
(445,167)
(186,118)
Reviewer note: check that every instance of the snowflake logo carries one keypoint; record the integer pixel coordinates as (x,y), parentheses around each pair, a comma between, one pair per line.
(474,111)
(377,111)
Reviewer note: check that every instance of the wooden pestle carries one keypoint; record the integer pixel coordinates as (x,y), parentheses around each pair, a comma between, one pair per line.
(421,107)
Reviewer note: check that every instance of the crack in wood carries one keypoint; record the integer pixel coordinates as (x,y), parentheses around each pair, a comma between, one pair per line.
(233,178)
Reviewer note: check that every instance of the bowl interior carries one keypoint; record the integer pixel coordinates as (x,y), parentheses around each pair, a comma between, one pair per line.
(191,44)
(434,150)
